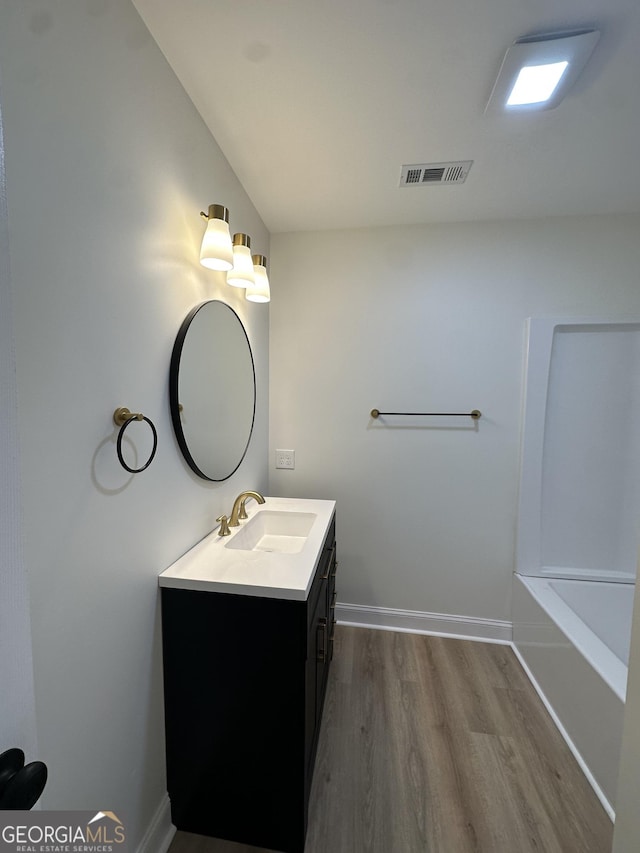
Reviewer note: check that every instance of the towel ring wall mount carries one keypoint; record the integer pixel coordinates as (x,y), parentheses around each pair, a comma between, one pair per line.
(122,417)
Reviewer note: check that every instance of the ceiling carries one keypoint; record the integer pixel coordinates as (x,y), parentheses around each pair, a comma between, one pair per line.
(318,103)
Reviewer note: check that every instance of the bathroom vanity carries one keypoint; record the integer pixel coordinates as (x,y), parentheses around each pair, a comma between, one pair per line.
(247,626)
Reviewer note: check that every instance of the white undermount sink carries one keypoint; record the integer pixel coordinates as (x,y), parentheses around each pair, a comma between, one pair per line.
(272,554)
(274,531)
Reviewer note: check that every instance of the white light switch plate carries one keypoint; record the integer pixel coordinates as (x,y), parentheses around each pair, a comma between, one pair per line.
(285,459)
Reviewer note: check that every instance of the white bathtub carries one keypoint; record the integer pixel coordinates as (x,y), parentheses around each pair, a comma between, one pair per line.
(573,638)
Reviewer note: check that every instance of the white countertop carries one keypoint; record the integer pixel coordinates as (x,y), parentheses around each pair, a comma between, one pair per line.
(210,566)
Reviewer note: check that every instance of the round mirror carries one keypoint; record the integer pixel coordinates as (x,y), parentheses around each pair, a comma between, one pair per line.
(212,390)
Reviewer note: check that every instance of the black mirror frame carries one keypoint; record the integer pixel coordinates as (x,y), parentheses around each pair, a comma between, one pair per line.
(174,404)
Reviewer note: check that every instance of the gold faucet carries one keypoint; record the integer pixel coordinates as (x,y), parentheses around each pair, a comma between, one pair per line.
(239,512)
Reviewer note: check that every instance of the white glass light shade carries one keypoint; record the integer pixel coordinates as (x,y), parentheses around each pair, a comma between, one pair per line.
(242,274)
(259,291)
(216,252)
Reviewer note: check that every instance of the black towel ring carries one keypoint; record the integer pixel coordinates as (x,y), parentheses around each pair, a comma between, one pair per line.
(122,417)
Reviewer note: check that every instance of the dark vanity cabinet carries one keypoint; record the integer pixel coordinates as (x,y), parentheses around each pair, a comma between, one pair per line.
(244,684)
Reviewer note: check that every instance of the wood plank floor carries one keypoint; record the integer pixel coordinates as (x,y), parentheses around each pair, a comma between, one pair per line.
(432,745)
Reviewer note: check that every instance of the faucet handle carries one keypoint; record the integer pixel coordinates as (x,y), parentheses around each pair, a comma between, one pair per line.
(223,530)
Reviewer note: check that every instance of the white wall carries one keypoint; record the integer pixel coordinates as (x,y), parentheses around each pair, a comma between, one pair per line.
(108,166)
(425,319)
(590,513)
(17,704)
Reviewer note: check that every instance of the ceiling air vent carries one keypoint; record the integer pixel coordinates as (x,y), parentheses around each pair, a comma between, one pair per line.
(428,174)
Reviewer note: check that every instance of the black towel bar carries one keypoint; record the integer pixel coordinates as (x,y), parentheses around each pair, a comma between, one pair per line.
(475,414)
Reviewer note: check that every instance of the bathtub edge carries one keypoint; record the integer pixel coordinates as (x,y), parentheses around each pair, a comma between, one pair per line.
(606,805)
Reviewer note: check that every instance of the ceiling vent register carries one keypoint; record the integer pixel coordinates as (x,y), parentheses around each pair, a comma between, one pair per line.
(429,174)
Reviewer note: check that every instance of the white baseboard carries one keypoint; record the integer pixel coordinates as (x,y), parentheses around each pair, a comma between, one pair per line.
(574,749)
(416,622)
(160,831)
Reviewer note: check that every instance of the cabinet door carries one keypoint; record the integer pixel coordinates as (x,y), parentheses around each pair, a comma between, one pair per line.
(324,632)
(316,662)
(332,597)
(322,657)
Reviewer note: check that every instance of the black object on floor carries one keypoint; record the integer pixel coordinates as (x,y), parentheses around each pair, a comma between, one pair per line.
(20,784)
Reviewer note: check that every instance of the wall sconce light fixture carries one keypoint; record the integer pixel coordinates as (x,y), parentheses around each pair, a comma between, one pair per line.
(216,252)
(219,253)
(242,274)
(259,291)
